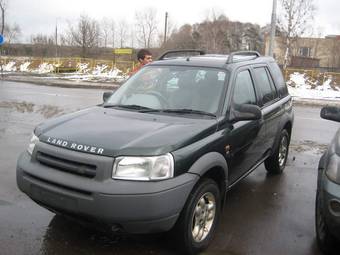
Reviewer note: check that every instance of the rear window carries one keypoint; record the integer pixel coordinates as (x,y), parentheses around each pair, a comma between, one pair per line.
(278,79)
(265,85)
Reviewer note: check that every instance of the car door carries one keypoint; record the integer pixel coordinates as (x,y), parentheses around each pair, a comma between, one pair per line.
(244,139)
(271,106)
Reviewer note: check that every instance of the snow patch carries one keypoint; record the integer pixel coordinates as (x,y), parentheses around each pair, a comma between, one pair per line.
(45,68)
(24,67)
(99,69)
(9,67)
(300,85)
(83,67)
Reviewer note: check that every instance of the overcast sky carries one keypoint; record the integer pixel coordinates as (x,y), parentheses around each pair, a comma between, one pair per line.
(40,16)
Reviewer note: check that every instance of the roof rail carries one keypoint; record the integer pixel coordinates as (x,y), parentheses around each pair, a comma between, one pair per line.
(201,52)
(242,53)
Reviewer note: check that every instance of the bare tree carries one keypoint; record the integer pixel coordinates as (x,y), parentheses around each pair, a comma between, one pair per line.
(3,8)
(113,32)
(42,39)
(105,31)
(294,20)
(122,32)
(85,34)
(213,32)
(217,34)
(184,38)
(12,32)
(146,26)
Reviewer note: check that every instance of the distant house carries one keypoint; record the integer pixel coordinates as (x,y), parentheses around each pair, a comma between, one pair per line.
(321,53)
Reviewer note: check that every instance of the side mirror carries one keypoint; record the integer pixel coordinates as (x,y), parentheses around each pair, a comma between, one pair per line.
(330,113)
(106,95)
(245,112)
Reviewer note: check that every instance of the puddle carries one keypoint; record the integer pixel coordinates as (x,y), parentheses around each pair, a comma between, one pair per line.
(18,106)
(308,146)
(47,111)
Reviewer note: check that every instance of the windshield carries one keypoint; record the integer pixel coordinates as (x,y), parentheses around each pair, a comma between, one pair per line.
(171,88)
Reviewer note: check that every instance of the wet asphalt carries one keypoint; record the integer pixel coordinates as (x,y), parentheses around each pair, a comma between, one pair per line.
(264,214)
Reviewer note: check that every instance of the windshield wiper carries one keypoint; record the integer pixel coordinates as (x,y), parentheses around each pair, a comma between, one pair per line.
(127,106)
(181,111)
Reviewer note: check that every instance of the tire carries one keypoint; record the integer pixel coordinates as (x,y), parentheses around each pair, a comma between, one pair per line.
(326,241)
(203,203)
(277,162)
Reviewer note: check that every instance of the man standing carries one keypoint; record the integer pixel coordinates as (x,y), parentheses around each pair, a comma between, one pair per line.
(144,57)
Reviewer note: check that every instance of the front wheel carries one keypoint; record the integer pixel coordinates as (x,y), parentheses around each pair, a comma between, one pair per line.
(197,222)
(277,162)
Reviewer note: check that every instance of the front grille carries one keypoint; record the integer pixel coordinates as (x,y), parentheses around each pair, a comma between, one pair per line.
(65,165)
(78,192)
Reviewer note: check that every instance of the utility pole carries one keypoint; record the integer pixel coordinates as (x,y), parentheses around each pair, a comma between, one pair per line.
(272,29)
(166,26)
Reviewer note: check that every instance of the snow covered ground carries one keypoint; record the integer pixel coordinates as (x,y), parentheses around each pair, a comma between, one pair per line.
(100,73)
(300,85)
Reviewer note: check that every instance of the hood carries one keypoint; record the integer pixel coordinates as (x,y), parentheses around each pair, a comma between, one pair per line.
(113,132)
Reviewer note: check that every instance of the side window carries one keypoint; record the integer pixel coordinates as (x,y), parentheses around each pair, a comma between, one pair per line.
(244,92)
(279,80)
(265,86)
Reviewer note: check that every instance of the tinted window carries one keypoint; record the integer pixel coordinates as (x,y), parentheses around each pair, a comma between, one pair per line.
(244,89)
(278,78)
(267,90)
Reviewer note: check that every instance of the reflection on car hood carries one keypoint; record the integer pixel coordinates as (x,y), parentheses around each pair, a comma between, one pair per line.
(113,132)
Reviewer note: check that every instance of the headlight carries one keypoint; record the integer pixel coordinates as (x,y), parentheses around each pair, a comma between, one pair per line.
(332,170)
(33,141)
(144,168)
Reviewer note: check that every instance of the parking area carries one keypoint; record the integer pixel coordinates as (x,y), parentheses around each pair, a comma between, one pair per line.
(264,214)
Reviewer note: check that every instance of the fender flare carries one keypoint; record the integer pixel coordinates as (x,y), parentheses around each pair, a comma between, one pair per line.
(209,161)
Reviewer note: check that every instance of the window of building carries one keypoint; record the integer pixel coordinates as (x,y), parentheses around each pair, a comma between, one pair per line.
(305,51)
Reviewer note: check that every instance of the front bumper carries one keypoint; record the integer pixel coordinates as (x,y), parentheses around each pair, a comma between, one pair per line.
(136,207)
(330,194)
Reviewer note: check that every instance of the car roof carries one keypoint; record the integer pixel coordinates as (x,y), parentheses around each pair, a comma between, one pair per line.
(213,60)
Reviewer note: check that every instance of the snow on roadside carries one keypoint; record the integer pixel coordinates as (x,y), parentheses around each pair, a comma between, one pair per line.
(24,67)
(9,67)
(301,86)
(44,68)
(99,73)
(83,68)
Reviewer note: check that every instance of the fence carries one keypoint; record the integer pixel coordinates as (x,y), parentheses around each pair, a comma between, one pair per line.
(69,64)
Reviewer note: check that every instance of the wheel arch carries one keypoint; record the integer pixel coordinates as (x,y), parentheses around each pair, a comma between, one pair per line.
(214,166)
(287,126)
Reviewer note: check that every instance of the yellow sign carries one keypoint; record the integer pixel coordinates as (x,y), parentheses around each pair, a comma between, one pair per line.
(123,51)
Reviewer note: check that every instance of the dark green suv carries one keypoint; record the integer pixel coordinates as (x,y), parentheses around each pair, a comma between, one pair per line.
(162,151)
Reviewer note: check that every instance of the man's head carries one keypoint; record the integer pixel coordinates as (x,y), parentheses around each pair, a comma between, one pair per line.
(144,56)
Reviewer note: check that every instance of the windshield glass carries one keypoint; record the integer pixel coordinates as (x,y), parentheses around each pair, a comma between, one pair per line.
(173,87)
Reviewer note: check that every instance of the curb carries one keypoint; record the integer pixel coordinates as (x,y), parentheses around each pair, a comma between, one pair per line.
(61,83)
(315,102)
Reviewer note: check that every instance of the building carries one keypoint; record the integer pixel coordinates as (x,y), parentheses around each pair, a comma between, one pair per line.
(321,53)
